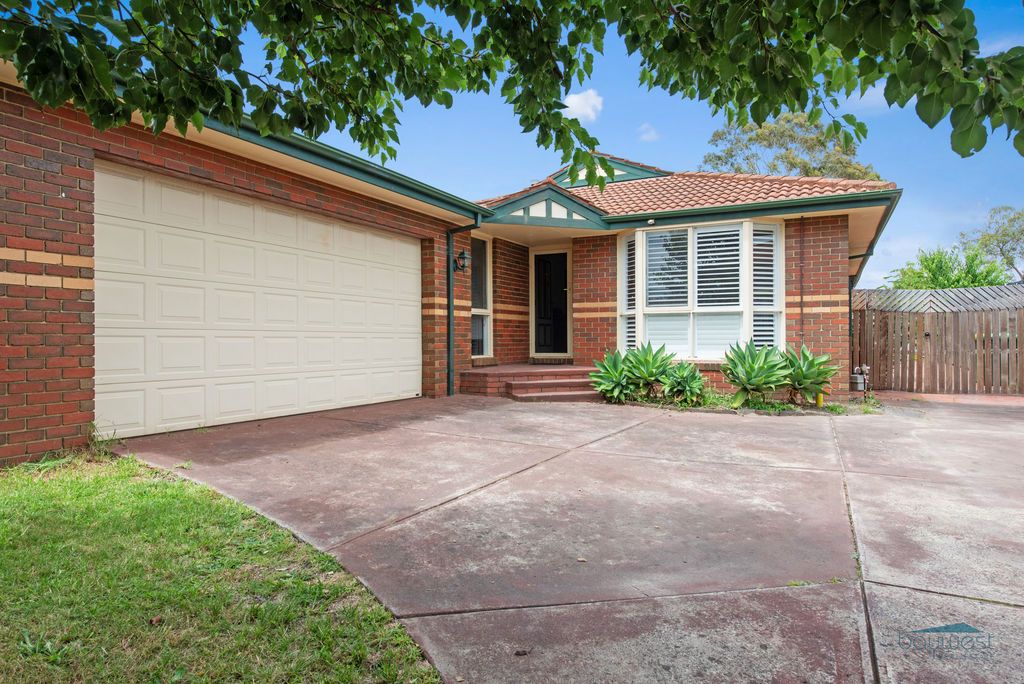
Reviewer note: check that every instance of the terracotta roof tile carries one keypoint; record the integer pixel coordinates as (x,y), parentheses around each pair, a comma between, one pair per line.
(699,190)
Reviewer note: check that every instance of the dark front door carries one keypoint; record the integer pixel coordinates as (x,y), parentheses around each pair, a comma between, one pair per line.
(550,303)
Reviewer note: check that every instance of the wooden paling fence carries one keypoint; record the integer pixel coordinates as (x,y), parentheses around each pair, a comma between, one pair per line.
(944,352)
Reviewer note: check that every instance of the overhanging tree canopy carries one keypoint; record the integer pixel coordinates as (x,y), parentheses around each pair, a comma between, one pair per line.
(352,63)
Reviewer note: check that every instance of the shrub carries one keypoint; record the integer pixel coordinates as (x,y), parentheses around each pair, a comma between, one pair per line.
(683,383)
(808,375)
(754,372)
(610,379)
(646,366)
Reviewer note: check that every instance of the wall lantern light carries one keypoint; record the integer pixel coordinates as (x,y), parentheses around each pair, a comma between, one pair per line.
(461,262)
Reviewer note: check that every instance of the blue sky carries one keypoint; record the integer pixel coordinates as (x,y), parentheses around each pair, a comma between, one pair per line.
(477,150)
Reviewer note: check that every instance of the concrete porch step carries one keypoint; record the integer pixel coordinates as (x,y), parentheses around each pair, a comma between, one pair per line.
(569,384)
(579,395)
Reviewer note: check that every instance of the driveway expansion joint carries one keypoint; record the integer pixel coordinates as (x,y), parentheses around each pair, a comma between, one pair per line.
(935,592)
(868,628)
(624,599)
(482,487)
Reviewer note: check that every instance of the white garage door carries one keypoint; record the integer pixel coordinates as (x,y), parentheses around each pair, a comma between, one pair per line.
(214,308)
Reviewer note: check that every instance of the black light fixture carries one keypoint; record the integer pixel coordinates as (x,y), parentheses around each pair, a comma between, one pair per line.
(461,262)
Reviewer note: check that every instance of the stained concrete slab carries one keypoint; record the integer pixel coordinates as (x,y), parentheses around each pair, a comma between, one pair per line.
(644,527)
(932,445)
(958,538)
(332,480)
(559,425)
(497,505)
(806,634)
(782,441)
(904,654)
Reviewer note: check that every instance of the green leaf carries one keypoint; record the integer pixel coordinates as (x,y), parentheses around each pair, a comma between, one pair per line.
(739,398)
(1018,142)
(968,140)
(930,108)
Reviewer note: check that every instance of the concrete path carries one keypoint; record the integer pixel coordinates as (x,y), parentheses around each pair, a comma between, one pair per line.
(593,543)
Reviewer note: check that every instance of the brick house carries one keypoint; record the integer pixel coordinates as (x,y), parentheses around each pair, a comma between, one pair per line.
(159,283)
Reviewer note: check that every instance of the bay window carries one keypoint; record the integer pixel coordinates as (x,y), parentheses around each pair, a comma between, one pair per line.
(699,289)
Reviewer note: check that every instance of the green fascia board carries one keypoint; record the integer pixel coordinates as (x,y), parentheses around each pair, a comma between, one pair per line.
(878,234)
(874,198)
(632,173)
(503,212)
(325,156)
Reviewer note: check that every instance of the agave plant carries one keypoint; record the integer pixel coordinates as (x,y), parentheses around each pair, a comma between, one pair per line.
(645,366)
(753,371)
(808,375)
(610,379)
(683,383)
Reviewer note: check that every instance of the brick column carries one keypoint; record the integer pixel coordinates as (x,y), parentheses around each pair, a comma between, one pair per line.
(594,298)
(511,305)
(817,291)
(46,284)
(435,315)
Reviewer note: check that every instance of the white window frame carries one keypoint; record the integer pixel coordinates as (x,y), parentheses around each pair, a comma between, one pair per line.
(624,311)
(745,306)
(487,312)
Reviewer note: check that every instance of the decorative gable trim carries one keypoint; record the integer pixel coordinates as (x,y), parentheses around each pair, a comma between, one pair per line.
(623,171)
(548,206)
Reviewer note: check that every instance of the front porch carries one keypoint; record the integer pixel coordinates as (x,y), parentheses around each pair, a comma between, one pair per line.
(530,382)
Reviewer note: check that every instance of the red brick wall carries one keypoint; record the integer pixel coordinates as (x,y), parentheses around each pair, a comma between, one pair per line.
(511,305)
(817,270)
(46,252)
(594,298)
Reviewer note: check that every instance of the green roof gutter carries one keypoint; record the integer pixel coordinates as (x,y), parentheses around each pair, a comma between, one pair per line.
(350,165)
(856,200)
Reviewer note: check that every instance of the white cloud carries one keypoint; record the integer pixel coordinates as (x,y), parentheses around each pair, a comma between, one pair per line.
(873,100)
(584,106)
(994,46)
(648,133)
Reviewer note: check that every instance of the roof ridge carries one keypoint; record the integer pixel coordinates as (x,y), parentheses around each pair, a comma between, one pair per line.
(806,180)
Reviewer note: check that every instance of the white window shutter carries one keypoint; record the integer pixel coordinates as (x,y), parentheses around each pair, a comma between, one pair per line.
(766,327)
(718,267)
(765,261)
(631,274)
(671,330)
(715,333)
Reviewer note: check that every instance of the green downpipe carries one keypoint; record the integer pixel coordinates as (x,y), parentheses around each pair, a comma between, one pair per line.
(450,292)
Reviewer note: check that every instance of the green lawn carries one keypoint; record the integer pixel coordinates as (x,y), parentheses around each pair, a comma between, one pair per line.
(112,571)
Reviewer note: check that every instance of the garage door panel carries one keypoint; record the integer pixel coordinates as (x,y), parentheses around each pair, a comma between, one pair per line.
(318,312)
(179,255)
(119,301)
(121,358)
(228,309)
(277,226)
(173,203)
(316,235)
(231,216)
(123,193)
(121,412)
(232,261)
(125,245)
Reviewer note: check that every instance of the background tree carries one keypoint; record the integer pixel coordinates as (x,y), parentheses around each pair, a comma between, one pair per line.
(792,144)
(941,268)
(352,63)
(1002,239)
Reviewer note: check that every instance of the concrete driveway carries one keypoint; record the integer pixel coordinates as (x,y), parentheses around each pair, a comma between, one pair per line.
(592,543)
